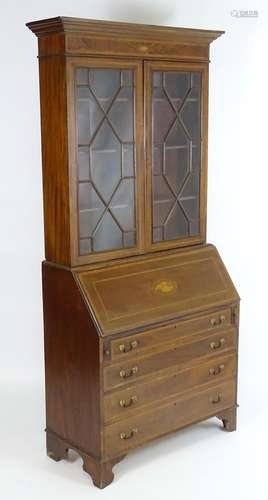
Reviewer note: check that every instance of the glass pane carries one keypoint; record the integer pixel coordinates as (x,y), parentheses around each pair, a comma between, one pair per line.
(91,209)
(177,85)
(105,159)
(89,115)
(190,114)
(176,225)
(104,83)
(108,234)
(176,136)
(194,227)
(121,114)
(175,176)
(83,163)
(163,200)
(189,194)
(157,160)
(157,79)
(127,77)
(82,76)
(130,239)
(157,233)
(85,246)
(176,158)
(128,160)
(163,115)
(122,204)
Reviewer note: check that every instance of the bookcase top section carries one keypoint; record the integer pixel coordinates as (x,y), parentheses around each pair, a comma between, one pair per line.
(122,30)
(141,294)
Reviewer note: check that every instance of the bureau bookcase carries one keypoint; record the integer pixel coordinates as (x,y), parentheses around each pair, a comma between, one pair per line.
(140,314)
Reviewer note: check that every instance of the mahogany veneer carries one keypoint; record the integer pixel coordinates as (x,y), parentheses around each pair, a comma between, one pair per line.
(140,315)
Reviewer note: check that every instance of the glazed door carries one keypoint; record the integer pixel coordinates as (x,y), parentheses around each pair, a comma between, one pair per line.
(106,158)
(176,148)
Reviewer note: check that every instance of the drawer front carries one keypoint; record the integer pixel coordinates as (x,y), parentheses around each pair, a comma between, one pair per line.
(124,403)
(120,374)
(125,347)
(132,432)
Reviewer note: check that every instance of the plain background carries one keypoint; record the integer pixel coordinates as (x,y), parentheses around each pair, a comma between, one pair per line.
(200,462)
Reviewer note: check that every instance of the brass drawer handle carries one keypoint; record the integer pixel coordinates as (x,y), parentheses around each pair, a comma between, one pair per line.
(129,372)
(218,322)
(125,404)
(217,345)
(216,371)
(216,400)
(128,435)
(128,347)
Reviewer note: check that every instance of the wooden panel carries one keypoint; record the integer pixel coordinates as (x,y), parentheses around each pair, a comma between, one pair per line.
(72,362)
(53,44)
(122,404)
(106,45)
(179,413)
(55,159)
(129,371)
(130,295)
(127,346)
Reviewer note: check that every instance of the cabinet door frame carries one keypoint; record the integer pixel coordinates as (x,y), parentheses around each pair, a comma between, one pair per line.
(149,67)
(105,63)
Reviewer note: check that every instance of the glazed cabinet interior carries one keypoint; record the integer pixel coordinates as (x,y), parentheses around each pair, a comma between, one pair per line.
(122,205)
(106,96)
(134,123)
(140,314)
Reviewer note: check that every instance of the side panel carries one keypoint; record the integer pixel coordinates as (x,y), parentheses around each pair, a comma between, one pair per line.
(53,103)
(72,362)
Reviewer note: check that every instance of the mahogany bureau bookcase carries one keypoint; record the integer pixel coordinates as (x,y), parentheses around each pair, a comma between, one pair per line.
(140,314)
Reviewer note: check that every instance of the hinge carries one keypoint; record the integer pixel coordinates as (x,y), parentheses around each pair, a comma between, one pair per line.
(235,316)
(106,350)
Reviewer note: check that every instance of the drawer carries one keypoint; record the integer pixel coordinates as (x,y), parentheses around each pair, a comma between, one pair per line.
(123,373)
(134,431)
(125,347)
(122,404)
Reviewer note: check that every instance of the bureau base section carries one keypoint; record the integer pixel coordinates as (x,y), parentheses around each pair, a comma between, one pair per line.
(101,471)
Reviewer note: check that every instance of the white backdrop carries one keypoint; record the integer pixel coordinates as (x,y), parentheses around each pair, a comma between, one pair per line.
(199,462)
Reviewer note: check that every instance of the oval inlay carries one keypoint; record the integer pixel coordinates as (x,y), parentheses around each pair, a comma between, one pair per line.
(164,287)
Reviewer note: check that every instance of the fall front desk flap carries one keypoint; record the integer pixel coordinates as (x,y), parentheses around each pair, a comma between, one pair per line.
(152,290)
